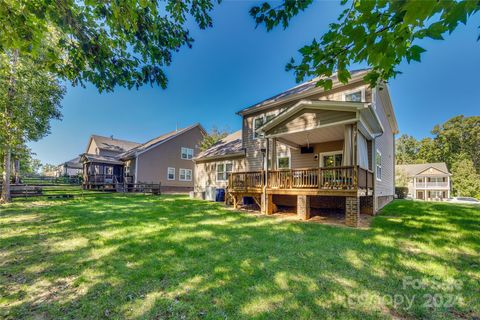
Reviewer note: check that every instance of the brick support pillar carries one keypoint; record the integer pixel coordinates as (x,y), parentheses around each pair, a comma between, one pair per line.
(303,207)
(352,211)
(268,207)
(366,205)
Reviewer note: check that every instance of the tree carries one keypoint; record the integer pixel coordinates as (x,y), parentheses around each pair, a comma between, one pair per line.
(465,180)
(107,43)
(401,178)
(459,135)
(212,137)
(406,149)
(48,168)
(28,165)
(379,33)
(29,99)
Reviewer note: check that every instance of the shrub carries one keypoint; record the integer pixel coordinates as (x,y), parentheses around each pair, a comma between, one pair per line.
(401,192)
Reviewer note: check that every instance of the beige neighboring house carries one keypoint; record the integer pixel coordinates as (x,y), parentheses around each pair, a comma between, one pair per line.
(166,159)
(70,168)
(214,165)
(309,149)
(427,181)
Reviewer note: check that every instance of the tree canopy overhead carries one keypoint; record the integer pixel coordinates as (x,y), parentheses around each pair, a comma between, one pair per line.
(380,33)
(107,43)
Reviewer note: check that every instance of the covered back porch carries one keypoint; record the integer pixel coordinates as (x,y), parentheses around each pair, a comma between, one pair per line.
(315,149)
(99,171)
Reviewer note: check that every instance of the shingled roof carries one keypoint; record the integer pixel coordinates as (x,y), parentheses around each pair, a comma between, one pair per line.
(229,146)
(415,169)
(299,89)
(157,140)
(112,144)
(75,163)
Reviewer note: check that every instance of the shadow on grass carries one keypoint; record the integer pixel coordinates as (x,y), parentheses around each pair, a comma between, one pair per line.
(170,257)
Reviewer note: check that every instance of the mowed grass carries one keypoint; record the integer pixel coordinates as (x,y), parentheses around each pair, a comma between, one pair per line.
(168,257)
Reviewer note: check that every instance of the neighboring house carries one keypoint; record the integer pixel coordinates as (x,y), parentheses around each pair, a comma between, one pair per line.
(214,165)
(426,181)
(310,148)
(166,159)
(70,168)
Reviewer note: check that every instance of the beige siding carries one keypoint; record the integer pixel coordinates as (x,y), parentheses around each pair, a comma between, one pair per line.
(252,146)
(385,144)
(153,164)
(433,172)
(308,160)
(92,148)
(310,119)
(205,173)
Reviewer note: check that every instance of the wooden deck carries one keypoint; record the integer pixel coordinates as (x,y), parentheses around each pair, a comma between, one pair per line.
(334,181)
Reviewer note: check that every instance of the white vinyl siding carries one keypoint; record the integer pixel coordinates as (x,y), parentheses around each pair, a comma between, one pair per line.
(385,144)
(378,165)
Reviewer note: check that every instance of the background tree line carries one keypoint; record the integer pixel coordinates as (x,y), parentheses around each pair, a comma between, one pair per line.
(455,142)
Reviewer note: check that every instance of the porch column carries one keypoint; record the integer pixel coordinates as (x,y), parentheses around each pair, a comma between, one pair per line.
(448,185)
(274,154)
(366,205)
(352,211)
(268,207)
(303,207)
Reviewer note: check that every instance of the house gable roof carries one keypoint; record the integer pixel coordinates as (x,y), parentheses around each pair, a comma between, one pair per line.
(301,90)
(157,141)
(417,169)
(75,163)
(111,144)
(230,146)
(100,159)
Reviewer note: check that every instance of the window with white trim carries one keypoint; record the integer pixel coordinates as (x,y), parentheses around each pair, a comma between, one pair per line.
(185,175)
(223,170)
(354,96)
(187,153)
(260,120)
(283,159)
(171,173)
(378,165)
(331,159)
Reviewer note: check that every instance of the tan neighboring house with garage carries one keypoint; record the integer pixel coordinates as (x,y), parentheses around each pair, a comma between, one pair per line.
(165,160)
(427,181)
(309,149)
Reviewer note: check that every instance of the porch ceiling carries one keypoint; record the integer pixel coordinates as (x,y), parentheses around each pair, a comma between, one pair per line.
(319,135)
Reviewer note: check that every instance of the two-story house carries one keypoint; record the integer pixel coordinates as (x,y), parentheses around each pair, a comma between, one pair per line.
(165,160)
(311,149)
(426,181)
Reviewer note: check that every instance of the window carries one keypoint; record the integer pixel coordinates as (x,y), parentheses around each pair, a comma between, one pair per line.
(187,153)
(260,120)
(185,175)
(354,96)
(223,170)
(283,159)
(378,165)
(171,173)
(108,170)
(331,159)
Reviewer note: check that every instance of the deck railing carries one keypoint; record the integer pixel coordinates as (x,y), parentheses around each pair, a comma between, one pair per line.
(253,180)
(341,178)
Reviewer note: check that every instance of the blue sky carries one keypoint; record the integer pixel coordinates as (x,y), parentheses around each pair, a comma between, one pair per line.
(234,65)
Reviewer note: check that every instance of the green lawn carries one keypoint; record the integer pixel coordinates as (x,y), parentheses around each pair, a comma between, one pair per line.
(168,257)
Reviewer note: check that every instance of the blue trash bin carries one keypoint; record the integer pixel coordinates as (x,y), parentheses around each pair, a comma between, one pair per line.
(220,195)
